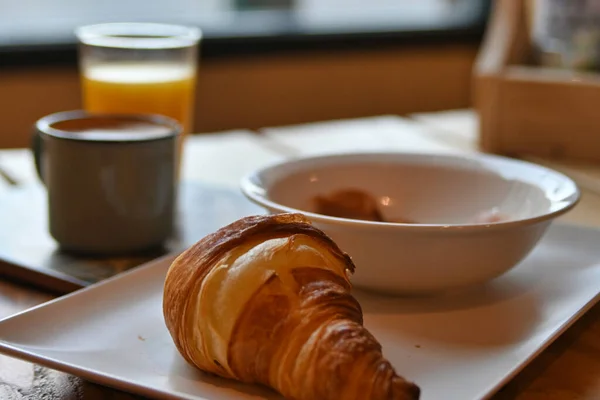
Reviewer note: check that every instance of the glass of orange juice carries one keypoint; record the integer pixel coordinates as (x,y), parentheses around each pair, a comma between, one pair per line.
(140,68)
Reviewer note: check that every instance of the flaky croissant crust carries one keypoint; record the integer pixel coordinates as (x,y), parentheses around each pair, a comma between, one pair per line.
(190,268)
(305,340)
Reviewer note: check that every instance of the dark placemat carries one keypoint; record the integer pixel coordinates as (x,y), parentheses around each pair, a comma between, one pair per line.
(29,254)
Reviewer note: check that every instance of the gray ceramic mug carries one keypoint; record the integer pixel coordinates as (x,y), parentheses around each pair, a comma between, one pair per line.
(110,179)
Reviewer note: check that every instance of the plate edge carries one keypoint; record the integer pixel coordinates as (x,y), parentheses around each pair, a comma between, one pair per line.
(540,349)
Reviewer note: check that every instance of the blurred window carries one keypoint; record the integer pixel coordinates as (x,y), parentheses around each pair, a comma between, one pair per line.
(39,22)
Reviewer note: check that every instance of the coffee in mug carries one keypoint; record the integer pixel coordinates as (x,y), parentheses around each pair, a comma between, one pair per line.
(110,179)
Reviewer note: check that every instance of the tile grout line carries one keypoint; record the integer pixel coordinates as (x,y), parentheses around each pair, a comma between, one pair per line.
(446,136)
(274,145)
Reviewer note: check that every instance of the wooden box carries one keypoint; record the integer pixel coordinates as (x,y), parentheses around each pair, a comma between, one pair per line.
(526,109)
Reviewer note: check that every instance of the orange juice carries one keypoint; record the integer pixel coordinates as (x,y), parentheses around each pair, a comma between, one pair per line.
(158,88)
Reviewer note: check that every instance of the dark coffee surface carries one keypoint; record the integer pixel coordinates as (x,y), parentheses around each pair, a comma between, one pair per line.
(109,128)
(28,253)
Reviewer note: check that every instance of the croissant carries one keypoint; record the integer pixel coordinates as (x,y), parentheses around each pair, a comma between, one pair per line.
(267,300)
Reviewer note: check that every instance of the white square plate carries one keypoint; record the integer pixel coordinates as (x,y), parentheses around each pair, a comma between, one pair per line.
(463,346)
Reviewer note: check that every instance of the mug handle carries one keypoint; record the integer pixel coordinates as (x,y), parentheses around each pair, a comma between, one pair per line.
(37,148)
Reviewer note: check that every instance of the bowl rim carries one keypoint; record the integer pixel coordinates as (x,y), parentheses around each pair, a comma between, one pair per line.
(251,186)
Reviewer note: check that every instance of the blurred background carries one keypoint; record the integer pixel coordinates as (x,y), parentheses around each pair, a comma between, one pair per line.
(262,62)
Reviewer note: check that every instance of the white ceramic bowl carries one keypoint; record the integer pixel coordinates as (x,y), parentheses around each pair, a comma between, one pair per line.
(443,193)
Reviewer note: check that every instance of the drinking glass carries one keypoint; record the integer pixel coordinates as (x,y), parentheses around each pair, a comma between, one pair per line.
(136,68)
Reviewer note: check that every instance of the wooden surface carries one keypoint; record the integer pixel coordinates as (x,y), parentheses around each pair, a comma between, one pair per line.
(568,369)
